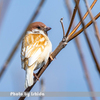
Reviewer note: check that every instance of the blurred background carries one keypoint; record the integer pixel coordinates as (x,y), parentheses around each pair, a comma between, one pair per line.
(66,73)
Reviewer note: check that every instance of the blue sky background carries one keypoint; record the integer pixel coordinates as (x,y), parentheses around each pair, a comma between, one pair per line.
(65,73)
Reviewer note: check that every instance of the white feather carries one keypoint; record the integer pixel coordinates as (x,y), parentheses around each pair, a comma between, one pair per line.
(34,57)
(36,31)
(29,76)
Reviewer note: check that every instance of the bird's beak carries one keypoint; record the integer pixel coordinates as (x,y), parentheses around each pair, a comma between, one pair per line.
(47,29)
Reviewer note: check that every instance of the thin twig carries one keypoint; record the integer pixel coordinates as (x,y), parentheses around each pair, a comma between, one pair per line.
(86,26)
(72,19)
(77,26)
(94,22)
(61,21)
(17,44)
(88,41)
(78,45)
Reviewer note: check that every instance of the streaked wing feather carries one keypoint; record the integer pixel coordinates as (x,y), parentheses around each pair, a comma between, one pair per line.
(33,50)
(34,57)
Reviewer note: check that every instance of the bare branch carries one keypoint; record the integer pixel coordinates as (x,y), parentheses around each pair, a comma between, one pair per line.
(94,22)
(61,21)
(17,44)
(88,41)
(86,26)
(72,19)
(77,26)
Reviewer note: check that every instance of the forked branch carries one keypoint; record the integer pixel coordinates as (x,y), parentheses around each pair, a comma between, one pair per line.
(86,26)
(77,26)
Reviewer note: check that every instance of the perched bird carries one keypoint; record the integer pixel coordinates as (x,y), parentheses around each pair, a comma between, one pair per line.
(36,49)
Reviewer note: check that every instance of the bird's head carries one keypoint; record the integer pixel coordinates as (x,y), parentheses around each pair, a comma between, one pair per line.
(39,26)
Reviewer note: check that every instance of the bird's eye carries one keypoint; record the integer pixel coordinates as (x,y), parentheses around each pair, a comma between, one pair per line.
(39,27)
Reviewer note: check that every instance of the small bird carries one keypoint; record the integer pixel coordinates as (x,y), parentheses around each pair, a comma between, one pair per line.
(36,49)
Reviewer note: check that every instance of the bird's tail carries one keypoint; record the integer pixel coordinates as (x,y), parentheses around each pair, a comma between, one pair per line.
(29,77)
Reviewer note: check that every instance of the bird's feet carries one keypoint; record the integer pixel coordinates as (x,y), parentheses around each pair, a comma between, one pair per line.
(36,76)
(51,57)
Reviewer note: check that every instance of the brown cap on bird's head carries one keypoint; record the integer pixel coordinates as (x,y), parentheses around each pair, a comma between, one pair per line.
(39,26)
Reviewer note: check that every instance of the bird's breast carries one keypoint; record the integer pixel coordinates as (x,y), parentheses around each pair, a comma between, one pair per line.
(33,43)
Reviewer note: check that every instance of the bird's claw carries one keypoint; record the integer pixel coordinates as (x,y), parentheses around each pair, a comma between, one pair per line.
(36,76)
(51,57)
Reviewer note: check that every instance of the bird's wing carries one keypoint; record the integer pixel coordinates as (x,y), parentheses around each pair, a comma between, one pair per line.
(33,49)
(32,54)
